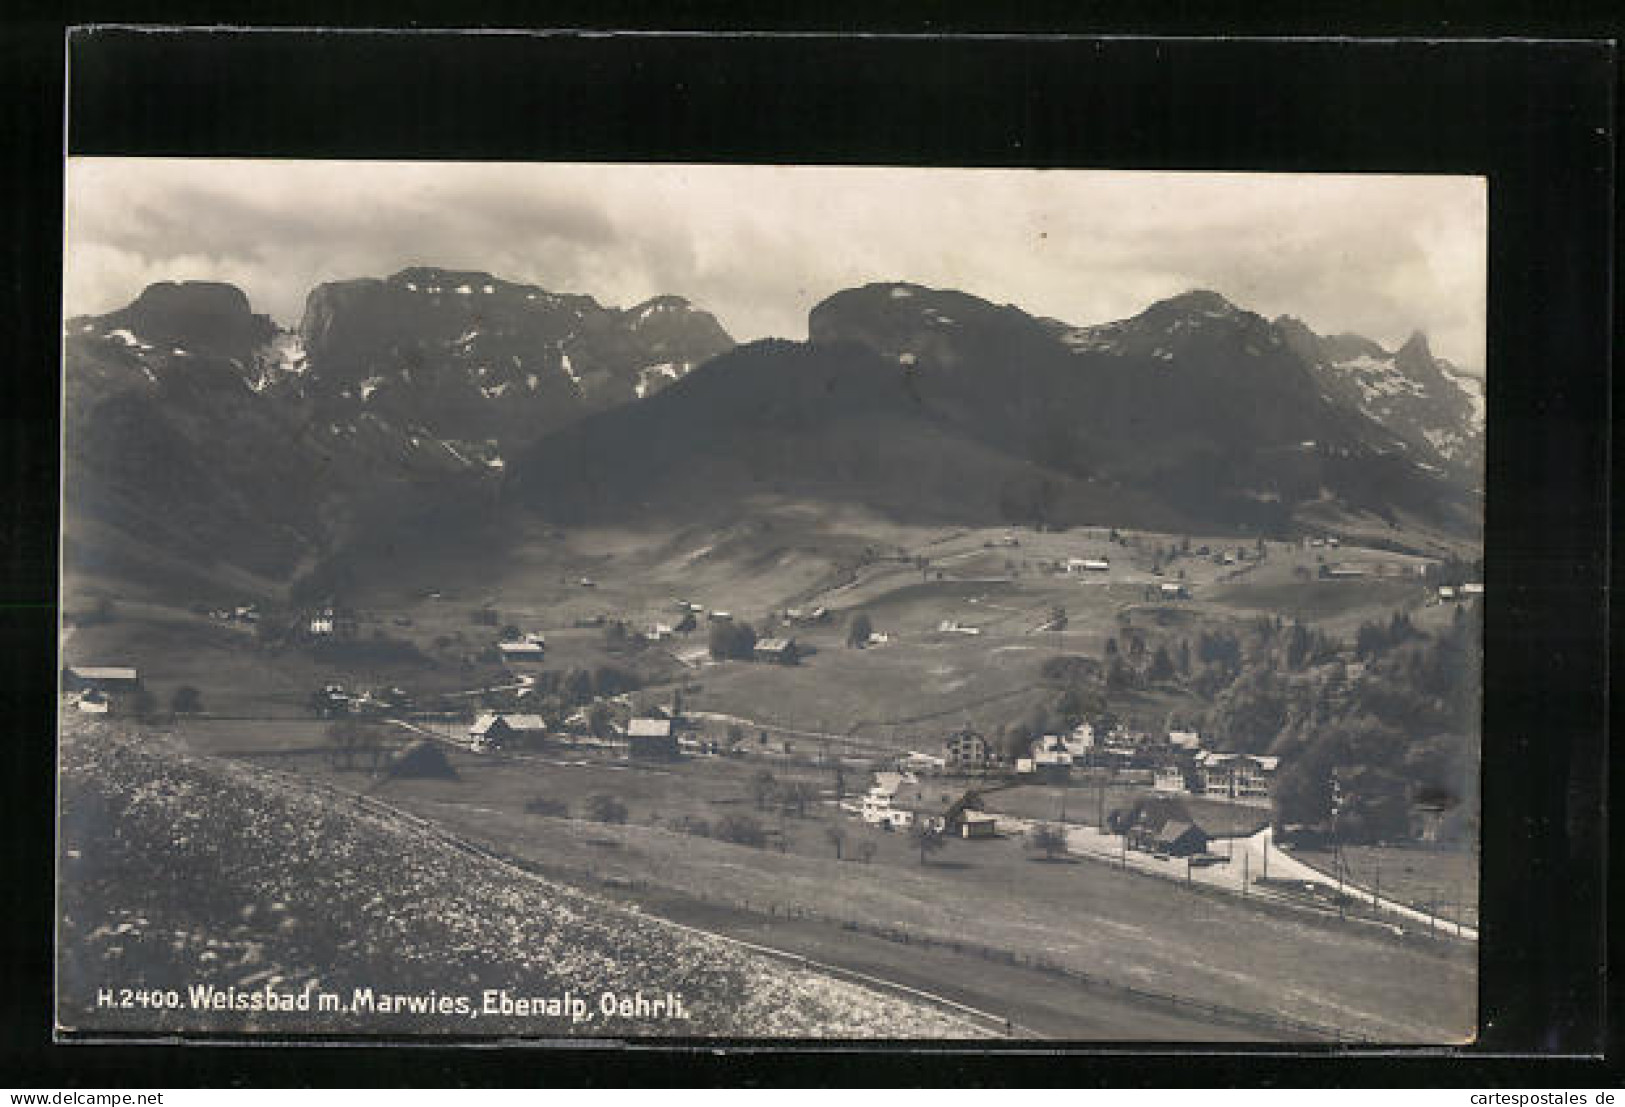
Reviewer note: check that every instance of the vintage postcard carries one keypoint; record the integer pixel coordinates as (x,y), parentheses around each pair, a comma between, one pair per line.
(770,602)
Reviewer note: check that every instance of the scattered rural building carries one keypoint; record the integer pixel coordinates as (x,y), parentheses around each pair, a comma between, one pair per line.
(1447,592)
(916,762)
(100,678)
(778,651)
(950,626)
(1240,777)
(720,617)
(978,824)
(1473,588)
(968,750)
(1178,838)
(94,702)
(530,648)
(651,739)
(1051,758)
(493,731)
(806,615)
(1174,591)
(959,816)
(1088,565)
(1342,572)
(1169,779)
(877,809)
(1185,740)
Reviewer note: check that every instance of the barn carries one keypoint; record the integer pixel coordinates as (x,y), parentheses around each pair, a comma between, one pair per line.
(651,739)
(779,651)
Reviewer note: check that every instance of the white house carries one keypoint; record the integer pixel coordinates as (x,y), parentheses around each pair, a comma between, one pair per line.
(523,650)
(1168,778)
(877,809)
(1088,565)
(1185,739)
(1243,777)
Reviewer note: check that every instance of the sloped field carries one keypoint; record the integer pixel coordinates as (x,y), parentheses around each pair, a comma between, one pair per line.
(180,872)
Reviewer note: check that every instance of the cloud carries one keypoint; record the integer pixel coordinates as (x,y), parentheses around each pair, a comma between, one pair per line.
(759,246)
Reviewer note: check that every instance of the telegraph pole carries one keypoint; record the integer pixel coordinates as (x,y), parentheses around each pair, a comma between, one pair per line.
(1245,857)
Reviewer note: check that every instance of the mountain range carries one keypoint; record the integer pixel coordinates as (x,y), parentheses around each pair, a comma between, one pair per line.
(204,441)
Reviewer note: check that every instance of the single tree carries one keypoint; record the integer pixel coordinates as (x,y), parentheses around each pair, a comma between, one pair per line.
(741,830)
(606,809)
(186,700)
(1047,839)
(796,796)
(926,837)
(598,719)
(764,788)
(857,634)
(836,836)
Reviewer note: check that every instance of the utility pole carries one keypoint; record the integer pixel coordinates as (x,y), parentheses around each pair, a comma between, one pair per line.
(1267,835)
(1245,857)
(1337,858)
(1376,886)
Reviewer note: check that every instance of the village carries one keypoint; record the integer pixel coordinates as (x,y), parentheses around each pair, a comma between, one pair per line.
(605,716)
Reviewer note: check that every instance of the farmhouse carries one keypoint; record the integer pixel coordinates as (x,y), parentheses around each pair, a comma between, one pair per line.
(1088,565)
(978,824)
(491,731)
(1446,592)
(1473,588)
(1173,591)
(1178,838)
(93,702)
(531,648)
(1342,572)
(877,809)
(1240,777)
(100,678)
(1052,757)
(651,739)
(950,626)
(968,750)
(779,651)
(1185,740)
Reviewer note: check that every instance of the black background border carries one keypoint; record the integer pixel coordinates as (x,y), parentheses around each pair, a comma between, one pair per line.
(1538,119)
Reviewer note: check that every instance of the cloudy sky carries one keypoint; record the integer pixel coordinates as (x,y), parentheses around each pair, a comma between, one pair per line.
(759,246)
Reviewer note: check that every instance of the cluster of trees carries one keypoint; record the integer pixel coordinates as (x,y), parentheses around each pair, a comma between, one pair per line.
(770,793)
(1405,730)
(605,808)
(1374,638)
(732,640)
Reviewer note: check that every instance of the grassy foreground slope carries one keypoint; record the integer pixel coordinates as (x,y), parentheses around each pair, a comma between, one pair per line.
(179,871)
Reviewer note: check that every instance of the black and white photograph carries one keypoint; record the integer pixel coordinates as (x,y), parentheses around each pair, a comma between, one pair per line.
(700,601)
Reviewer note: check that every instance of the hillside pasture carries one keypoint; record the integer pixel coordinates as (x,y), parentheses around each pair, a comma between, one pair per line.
(1138,931)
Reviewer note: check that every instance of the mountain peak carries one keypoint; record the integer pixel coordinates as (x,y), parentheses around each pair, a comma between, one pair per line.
(1416,346)
(1198,300)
